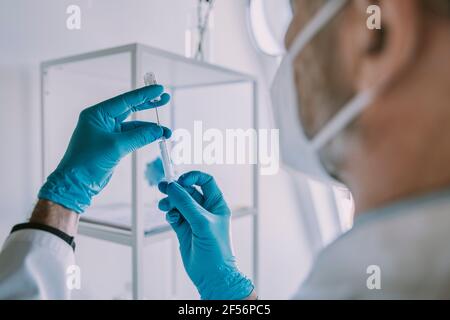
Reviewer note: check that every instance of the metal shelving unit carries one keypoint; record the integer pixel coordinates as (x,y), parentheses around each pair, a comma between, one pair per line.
(176,73)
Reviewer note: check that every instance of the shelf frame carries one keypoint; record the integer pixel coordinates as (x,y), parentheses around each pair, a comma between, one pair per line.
(136,237)
(123,236)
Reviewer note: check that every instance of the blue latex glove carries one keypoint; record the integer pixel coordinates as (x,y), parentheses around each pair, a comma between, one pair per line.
(201,221)
(100,140)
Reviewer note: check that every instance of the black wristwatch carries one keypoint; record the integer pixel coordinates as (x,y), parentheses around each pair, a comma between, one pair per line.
(30,225)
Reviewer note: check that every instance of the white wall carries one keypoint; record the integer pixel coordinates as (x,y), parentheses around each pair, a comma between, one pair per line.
(33,31)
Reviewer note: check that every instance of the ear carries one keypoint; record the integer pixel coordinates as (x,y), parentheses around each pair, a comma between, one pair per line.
(385,53)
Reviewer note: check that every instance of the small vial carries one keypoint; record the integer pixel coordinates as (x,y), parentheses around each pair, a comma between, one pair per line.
(169,174)
(150,79)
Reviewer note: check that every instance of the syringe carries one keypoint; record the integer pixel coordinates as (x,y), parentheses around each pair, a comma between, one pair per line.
(150,79)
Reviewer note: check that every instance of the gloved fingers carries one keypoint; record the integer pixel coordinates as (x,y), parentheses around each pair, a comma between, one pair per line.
(165,205)
(163,100)
(173,216)
(205,181)
(122,118)
(195,194)
(131,125)
(179,225)
(149,104)
(142,135)
(167,133)
(175,219)
(185,203)
(162,186)
(132,101)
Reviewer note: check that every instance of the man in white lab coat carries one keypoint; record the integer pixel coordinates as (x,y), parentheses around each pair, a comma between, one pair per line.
(374,109)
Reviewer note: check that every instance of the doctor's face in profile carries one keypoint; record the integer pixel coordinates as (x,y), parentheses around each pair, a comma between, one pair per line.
(323,83)
(405,59)
(343,59)
(323,74)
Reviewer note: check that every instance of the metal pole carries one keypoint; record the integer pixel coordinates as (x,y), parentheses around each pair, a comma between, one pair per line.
(173,240)
(136,201)
(44,74)
(255,189)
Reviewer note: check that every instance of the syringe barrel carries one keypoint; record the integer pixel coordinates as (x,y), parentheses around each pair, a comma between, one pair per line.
(169,174)
(167,162)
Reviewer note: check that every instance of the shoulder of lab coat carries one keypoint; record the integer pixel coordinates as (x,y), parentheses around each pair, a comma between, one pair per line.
(33,265)
(400,252)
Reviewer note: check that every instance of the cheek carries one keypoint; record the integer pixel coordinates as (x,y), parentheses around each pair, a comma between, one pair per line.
(322,75)
(315,84)
(307,78)
(347,54)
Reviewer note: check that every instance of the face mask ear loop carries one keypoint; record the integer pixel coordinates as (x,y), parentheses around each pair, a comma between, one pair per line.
(328,12)
(348,113)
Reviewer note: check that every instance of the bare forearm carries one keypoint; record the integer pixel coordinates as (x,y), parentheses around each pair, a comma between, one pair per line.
(56,216)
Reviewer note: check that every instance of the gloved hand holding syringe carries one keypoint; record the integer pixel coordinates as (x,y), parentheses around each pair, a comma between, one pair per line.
(169,174)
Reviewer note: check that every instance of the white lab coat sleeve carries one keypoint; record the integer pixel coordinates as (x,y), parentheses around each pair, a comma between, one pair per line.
(34,265)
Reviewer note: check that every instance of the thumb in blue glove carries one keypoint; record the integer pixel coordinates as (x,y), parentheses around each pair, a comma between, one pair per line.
(201,221)
(100,140)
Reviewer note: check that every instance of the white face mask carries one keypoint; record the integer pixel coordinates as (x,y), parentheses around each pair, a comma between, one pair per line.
(297,151)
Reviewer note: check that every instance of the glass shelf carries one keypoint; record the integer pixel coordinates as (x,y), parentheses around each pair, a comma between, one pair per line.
(172,70)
